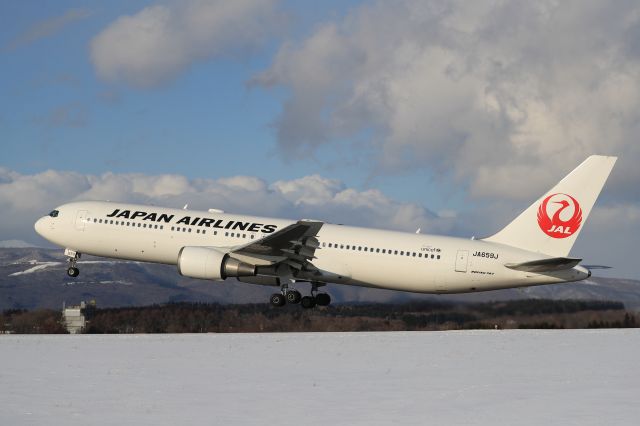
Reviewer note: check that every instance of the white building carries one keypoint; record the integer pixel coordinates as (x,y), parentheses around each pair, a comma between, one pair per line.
(75,317)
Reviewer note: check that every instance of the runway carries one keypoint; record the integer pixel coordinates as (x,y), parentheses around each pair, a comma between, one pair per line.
(524,377)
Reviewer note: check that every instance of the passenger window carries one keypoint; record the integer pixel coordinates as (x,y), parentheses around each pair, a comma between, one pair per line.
(377,250)
(365,249)
(341,246)
(432,256)
(252,236)
(384,251)
(359,248)
(419,254)
(438,256)
(414,254)
(226,234)
(189,230)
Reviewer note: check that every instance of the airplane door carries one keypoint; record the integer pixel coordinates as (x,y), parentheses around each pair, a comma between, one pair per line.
(462,260)
(80,219)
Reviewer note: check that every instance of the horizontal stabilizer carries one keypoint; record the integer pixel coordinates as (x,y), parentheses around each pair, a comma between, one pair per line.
(590,267)
(545,265)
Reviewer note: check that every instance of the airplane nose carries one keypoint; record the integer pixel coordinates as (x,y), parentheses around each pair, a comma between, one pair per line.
(40,226)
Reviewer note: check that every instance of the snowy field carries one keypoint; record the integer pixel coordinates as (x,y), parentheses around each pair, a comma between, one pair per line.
(442,378)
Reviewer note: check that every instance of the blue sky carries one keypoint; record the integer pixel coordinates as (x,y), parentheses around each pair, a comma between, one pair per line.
(207,122)
(454,116)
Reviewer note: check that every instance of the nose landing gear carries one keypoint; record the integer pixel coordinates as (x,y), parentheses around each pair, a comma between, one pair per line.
(73,256)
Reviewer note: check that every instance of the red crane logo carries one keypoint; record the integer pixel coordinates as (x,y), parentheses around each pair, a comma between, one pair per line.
(555,226)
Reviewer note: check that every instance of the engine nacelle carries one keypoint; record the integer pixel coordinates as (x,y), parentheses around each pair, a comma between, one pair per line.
(211,264)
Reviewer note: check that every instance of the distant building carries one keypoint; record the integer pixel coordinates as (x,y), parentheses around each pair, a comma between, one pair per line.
(75,318)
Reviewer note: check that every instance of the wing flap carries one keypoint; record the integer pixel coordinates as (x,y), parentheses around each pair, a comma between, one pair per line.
(294,245)
(545,265)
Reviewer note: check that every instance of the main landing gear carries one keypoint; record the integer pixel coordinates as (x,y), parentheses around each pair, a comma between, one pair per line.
(73,256)
(294,297)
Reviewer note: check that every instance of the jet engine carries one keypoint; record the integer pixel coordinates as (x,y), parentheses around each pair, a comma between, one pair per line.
(211,264)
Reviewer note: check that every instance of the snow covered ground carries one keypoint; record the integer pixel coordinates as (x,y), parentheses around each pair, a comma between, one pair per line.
(574,377)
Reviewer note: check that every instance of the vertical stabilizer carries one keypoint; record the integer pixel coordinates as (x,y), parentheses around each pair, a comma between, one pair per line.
(552,224)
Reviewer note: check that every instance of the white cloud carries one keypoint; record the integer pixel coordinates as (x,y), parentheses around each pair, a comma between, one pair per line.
(309,190)
(160,41)
(487,93)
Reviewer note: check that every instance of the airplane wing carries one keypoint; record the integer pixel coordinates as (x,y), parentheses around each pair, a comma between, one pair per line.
(293,245)
(545,265)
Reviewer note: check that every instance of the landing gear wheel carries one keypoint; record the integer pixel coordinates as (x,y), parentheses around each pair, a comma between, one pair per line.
(73,256)
(323,299)
(308,302)
(277,300)
(293,296)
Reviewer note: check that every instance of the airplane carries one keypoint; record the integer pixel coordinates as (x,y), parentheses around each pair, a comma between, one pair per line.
(531,250)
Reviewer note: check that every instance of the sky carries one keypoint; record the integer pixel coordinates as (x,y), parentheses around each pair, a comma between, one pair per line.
(448,116)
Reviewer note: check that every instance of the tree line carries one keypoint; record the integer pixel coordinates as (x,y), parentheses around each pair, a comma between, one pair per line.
(427,315)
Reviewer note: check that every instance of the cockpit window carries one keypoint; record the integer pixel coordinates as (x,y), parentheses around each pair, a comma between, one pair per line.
(54,213)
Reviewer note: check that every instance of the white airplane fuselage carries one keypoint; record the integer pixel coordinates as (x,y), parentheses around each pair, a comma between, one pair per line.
(346,255)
